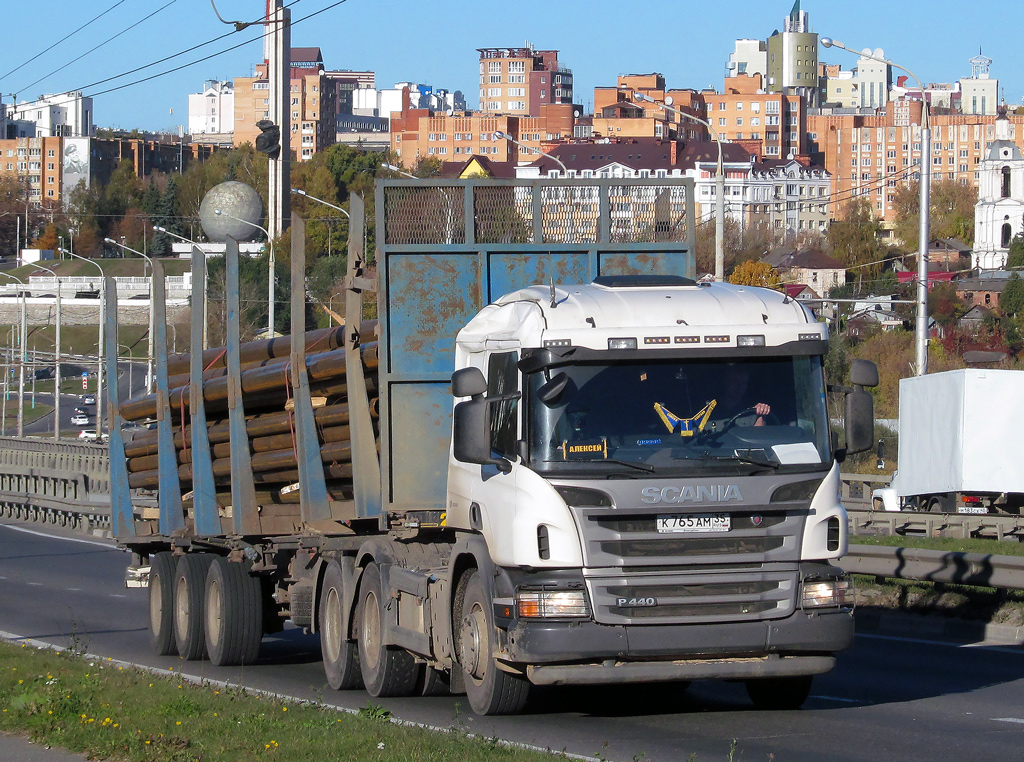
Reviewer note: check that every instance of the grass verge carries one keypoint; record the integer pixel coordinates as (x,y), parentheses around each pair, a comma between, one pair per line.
(110,711)
(948,544)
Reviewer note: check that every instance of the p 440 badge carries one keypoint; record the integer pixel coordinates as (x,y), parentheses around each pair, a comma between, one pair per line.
(635,602)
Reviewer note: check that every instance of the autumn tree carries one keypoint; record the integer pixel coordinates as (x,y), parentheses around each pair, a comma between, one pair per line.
(1011,300)
(854,239)
(755,273)
(951,215)
(48,241)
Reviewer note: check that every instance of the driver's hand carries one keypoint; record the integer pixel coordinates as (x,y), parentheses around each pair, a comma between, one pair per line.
(762,409)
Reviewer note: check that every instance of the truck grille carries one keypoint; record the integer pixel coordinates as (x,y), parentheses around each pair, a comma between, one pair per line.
(692,597)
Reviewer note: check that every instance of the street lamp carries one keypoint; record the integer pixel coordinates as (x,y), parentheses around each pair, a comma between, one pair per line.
(152,326)
(719,182)
(300,192)
(270,294)
(924,229)
(400,171)
(99,339)
(56,362)
(505,136)
(23,339)
(206,285)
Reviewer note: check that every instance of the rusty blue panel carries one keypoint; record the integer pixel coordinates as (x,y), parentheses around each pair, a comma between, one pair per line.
(204,493)
(429,297)
(419,443)
(172,517)
(645,262)
(511,271)
(122,517)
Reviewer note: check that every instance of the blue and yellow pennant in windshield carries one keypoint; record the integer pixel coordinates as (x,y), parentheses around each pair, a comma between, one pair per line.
(686,427)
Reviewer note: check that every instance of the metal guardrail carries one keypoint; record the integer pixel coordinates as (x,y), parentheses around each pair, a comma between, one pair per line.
(978,569)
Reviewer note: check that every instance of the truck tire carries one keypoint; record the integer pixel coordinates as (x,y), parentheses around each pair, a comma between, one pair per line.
(189,590)
(490,690)
(233,608)
(341,655)
(386,670)
(780,692)
(161,604)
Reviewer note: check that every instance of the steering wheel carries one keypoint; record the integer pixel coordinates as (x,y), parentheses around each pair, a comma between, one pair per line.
(770,419)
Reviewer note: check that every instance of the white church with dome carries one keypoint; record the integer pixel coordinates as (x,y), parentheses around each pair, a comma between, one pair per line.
(999,213)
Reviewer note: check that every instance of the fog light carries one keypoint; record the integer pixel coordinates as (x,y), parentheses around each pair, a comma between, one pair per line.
(827,593)
(552,604)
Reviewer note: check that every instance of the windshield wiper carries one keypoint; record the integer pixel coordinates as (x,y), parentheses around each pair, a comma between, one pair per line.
(628,463)
(739,459)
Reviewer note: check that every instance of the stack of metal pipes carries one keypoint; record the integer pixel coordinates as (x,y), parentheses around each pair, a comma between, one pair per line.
(267,402)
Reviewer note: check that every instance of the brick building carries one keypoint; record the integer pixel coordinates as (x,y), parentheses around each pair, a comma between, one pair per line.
(519,81)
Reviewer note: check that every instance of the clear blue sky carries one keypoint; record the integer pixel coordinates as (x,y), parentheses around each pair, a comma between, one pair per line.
(435,43)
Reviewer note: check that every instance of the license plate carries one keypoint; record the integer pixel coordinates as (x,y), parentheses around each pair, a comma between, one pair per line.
(695,522)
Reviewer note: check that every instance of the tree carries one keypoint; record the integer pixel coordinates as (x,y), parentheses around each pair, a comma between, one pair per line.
(944,305)
(48,240)
(1016,256)
(751,273)
(854,238)
(951,215)
(1011,301)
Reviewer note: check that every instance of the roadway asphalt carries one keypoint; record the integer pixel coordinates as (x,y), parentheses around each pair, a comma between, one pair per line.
(907,698)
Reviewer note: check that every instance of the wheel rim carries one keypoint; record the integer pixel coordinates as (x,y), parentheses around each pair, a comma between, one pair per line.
(332,626)
(155,602)
(181,608)
(474,643)
(371,629)
(213,611)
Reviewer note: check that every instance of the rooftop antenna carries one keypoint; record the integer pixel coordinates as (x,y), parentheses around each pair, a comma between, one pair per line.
(551,282)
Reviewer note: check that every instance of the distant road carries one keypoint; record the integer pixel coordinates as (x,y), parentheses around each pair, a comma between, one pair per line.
(904,700)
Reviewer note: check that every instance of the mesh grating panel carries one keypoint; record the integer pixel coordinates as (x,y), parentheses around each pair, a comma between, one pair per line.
(503,214)
(426,214)
(647,213)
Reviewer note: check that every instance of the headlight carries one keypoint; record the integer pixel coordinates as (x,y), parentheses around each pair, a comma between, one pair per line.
(827,593)
(552,604)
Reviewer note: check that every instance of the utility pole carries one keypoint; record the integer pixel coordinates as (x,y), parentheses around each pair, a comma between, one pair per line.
(279,66)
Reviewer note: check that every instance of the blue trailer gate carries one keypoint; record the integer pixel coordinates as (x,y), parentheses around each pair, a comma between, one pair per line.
(447,248)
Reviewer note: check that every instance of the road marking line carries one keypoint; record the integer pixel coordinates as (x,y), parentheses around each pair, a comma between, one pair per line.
(115,595)
(106,545)
(979,646)
(74,589)
(1008,719)
(838,698)
(36,584)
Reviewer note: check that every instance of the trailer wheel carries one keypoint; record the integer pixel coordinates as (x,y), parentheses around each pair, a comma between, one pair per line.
(386,670)
(341,655)
(490,690)
(161,603)
(233,608)
(189,589)
(780,692)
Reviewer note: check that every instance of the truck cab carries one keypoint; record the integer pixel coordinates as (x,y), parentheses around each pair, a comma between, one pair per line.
(608,449)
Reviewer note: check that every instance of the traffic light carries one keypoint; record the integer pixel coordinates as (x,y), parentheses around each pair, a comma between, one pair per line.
(269,139)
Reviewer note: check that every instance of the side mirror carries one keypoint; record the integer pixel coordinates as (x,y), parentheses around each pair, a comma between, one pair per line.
(550,391)
(471,433)
(860,421)
(863,373)
(468,382)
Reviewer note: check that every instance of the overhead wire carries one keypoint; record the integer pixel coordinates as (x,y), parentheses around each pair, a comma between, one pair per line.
(62,39)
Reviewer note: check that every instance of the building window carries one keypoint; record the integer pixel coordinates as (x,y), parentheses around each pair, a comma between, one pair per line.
(517,67)
(1005,185)
(494,79)
(494,67)
(1007,234)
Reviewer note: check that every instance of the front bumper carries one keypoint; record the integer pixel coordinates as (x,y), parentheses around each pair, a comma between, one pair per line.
(587,652)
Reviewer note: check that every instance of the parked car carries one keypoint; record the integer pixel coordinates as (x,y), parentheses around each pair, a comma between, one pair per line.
(80,419)
(88,435)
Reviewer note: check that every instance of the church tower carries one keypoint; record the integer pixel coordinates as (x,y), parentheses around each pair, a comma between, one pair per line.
(999,213)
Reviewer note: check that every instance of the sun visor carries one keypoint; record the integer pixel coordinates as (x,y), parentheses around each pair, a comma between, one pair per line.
(518,323)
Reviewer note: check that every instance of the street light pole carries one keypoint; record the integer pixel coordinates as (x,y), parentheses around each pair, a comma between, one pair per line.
(505,136)
(205,286)
(400,171)
(24,358)
(152,327)
(100,347)
(924,227)
(719,182)
(270,288)
(56,362)
(300,192)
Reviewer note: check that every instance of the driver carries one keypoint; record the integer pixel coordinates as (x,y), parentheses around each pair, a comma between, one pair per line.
(735,396)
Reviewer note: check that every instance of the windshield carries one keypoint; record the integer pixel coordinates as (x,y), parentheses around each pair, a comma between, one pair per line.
(679,417)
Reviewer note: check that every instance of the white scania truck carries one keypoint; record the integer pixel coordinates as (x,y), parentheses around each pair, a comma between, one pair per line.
(636,481)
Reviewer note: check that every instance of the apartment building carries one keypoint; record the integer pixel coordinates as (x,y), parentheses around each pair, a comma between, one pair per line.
(422,133)
(67,114)
(769,125)
(619,115)
(870,155)
(311,101)
(792,58)
(518,81)
(212,111)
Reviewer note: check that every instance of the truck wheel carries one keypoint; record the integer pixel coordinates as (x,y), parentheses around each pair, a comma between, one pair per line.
(233,608)
(386,670)
(341,655)
(780,692)
(189,588)
(161,603)
(490,690)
